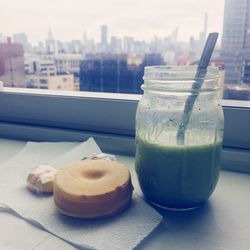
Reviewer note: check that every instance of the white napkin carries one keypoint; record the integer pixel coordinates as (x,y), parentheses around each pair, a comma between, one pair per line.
(124,231)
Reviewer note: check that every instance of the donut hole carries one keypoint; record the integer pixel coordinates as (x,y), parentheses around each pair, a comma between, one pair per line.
(93,174)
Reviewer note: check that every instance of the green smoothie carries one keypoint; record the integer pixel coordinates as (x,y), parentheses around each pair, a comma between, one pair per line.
(177,176)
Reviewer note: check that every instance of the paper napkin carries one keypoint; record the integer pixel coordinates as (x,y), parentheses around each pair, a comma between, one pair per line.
(124,231)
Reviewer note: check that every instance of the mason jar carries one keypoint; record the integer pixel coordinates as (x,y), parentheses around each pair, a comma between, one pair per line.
(179,172)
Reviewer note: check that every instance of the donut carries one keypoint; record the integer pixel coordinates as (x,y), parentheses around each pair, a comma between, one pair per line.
(41,179)
(92,189)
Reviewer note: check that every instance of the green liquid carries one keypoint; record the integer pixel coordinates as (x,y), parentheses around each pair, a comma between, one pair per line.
(177,176)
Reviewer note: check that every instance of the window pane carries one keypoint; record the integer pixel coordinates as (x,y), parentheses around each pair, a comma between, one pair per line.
(103,46)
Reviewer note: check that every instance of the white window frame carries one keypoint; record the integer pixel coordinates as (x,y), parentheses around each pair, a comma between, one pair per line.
(45,115)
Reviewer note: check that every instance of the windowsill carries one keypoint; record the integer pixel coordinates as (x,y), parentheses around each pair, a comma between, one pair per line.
(104,95)
(234,159)
(101,113)
(223,223)
(85,94)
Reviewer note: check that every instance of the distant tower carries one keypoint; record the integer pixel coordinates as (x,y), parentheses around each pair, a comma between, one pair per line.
(203,34)
(84,38)
(205,25)
(50,35)
(51,47)
(174,35)
(104,38)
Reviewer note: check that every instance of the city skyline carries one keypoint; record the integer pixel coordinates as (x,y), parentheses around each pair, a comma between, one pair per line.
(110,61)
(34,18)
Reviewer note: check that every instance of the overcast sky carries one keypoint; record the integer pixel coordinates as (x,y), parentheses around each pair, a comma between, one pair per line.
(142,19)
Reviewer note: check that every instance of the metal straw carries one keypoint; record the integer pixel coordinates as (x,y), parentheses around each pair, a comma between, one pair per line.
(199,78)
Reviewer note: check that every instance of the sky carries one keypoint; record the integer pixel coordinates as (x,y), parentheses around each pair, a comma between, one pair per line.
(142,19)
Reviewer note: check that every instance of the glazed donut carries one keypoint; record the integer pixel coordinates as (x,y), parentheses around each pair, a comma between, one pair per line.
(92,189)
(41,179)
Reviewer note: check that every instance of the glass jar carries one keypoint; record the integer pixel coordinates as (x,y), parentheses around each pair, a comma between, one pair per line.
(173,174)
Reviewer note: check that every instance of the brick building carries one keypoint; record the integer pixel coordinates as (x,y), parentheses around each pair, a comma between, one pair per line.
(12,64)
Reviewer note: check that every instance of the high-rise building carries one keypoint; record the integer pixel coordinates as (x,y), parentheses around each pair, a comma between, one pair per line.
(115,45)
(115,72)
(21,38)
(104,38)
(236,41)
(12,64)
(41,47)
(174,35)
(203,35)
(110,73)
(128,44)
(205,25)
(2,38)
(51,46)
(84,38)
